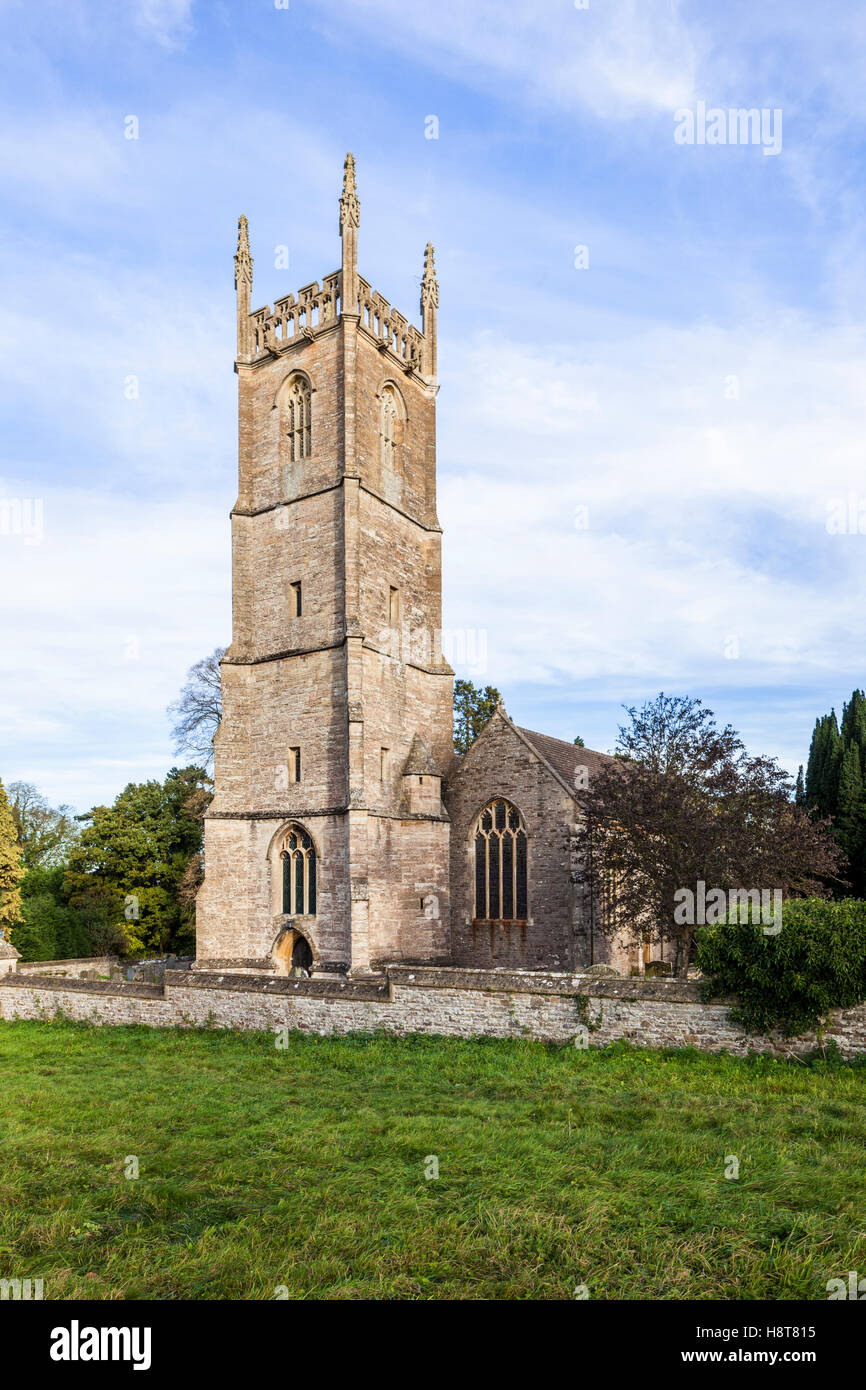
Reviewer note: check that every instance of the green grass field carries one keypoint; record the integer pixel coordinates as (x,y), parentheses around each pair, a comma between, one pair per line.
(305,1168)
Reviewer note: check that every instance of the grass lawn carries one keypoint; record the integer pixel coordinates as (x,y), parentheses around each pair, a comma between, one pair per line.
(306,1168)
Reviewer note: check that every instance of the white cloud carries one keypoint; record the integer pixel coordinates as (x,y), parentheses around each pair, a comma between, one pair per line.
(100,623)
(616,59)
(706,513)
(707,561)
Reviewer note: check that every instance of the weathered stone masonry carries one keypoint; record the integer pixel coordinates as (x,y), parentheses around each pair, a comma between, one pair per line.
(335,666)
(336,699)
(547,1006)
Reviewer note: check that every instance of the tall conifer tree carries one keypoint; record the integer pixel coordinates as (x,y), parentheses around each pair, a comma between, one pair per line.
(835,785)
(11,867)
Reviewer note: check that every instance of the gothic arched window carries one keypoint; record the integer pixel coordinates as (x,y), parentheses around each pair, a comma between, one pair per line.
(296,415)
(390,414)
(500,864)
(298,856)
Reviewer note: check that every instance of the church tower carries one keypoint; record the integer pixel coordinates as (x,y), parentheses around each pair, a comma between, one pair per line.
(326,843)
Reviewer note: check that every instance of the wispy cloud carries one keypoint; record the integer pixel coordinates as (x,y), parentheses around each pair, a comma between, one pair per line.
(615,60)
(698,390)
(167,22)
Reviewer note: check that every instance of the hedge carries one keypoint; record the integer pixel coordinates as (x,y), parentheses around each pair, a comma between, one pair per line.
(791,981)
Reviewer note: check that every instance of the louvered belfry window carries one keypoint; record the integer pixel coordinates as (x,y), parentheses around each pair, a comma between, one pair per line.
(500,864)
(297,418)
(388,431)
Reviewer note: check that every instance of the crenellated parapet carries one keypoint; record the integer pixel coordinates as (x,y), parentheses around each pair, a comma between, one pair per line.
(392,331)
(295,318)
(265,333)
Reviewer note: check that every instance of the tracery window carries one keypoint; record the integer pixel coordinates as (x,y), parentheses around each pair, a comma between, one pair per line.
(500,864)
(297,410)
(388,427)
(298,857)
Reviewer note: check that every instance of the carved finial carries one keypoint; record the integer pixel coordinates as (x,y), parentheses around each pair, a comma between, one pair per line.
(243,285)
(243,259)
(429,306)
(429,283)
(350,208)
(350,216)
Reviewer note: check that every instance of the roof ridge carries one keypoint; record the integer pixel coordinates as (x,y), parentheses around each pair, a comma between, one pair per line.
(578,747)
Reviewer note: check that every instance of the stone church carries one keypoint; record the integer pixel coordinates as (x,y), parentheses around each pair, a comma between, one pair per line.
(345,833)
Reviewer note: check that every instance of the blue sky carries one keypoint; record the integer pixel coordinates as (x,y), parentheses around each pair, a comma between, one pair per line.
(695,395)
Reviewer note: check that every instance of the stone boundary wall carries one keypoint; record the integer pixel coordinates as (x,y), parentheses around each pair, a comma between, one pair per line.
(74,967)
(451,1002)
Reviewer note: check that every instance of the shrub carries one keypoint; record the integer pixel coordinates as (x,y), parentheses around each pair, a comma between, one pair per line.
(791,981)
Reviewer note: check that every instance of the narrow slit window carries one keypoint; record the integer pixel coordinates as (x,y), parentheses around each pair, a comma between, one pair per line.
(294,764)
(297,603)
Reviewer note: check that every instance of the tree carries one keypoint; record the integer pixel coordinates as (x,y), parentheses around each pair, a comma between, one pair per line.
(50,928)
(836,785)
(578,741)
(800,789)
(198,709)
(472,709)
(853,726)
(11,867)
(46,834)
(193,875)
(131,861)
(822,769)
(683,803)
(848,824)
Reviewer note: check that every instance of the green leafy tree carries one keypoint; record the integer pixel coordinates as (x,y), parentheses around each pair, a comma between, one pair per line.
(46,833)
(683,803)
(578,742)
(11,867)
(50,928)
(128,868)
(472,709)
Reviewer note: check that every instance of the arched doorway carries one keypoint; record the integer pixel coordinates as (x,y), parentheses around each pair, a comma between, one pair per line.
(292,954)
(302,955)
